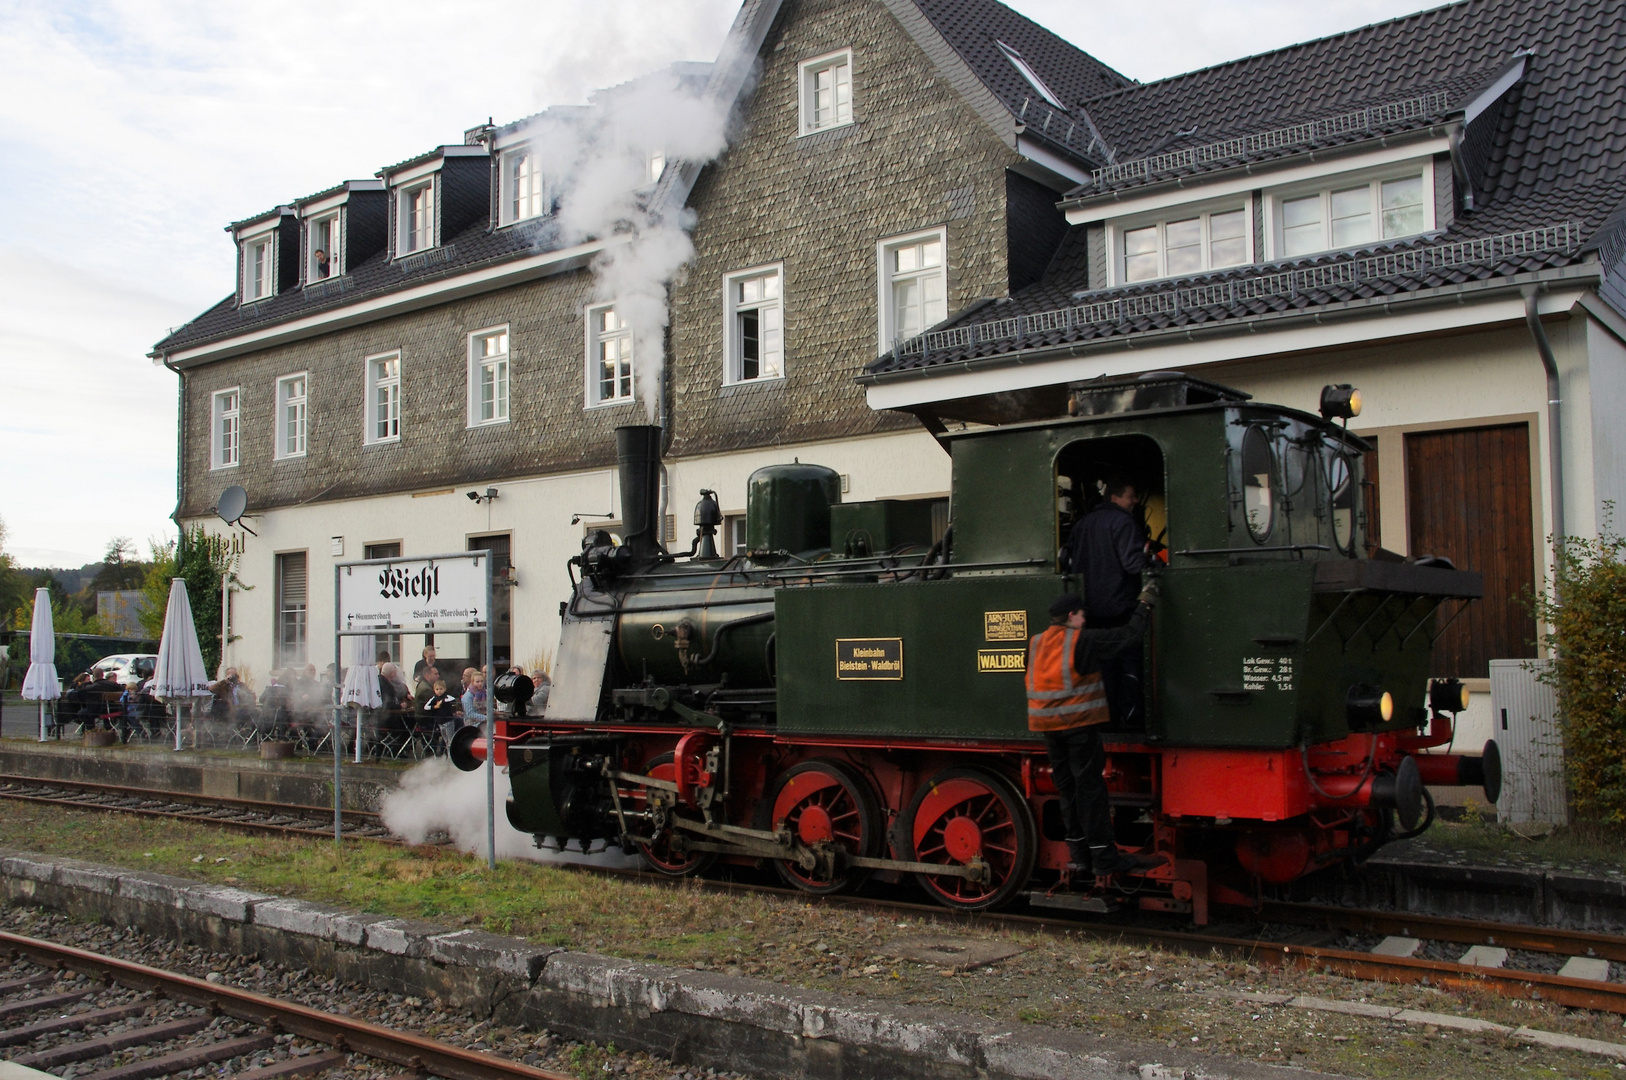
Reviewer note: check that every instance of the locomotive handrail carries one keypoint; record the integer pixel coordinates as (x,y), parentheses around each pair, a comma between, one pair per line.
(1247,551)
(950,567)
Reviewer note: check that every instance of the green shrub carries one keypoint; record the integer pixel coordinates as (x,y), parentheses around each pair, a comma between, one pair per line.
(1586,636)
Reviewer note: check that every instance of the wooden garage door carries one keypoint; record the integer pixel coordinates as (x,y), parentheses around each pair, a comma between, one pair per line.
(1468,498)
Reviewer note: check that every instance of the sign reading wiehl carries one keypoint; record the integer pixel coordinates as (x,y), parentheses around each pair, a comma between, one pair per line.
(414,594)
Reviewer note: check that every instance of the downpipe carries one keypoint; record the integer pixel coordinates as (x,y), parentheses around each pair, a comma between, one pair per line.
(1555,400)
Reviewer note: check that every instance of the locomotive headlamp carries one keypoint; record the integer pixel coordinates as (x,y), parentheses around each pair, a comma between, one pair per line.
(1340,401)
(513,689)
(1367,707)
(1448,695)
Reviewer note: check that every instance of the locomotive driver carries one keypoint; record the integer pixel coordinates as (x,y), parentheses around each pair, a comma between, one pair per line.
(1067,703)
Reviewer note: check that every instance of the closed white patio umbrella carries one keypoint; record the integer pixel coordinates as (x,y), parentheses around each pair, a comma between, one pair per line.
(361,682)
(40,684)
(179,676)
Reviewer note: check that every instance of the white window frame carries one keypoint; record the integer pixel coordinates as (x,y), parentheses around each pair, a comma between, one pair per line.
(332,219)
(285,407)
(250,245)
(885,316)
(806,72)
(373,385)
(733,364)
(477,363)
(593,386)
(1024,69)
(507,214)
(218,414)
(1117,227)
(1374,177)
(405,231)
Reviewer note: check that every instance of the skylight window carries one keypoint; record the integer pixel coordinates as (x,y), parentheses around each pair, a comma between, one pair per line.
(1030,75)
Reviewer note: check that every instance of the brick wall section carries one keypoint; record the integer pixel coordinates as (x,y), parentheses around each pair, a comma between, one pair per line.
(548,430)
(819,204)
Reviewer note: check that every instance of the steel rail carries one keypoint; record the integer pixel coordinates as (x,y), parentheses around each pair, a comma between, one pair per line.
(415,1052)
(179,796)
(1543,939)
(1575,993)
(253,828)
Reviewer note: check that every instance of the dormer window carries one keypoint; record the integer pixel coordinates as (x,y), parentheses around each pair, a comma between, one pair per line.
(259,267)
(418,218)
(1182,241)
(523,196)
(657,166)
(1030,75)
(1353,211)
(826,92)
(322,248)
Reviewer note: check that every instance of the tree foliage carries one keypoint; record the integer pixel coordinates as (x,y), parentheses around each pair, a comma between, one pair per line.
(203,561)
(1586,620)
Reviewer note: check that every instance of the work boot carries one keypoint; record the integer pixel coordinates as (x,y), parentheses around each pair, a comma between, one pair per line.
(1078,856)
(1108,860)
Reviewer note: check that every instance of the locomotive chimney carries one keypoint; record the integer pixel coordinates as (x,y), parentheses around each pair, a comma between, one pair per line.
(638,461)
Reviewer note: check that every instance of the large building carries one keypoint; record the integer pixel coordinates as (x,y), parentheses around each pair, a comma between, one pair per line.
(933,213)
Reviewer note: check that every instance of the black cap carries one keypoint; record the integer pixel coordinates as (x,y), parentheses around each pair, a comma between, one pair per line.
(1066,604)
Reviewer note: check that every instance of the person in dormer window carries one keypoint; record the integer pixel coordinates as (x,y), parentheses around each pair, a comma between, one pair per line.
(322,265)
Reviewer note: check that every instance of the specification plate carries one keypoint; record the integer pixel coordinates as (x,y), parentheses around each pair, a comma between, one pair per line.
(1005,625)
(1267,673)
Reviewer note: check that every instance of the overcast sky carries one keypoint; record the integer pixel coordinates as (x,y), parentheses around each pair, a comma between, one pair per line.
(132,131)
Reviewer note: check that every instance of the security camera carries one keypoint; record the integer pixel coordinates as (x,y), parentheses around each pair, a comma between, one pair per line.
(474,496)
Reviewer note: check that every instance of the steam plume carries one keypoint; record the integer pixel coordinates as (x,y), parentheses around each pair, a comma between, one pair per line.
(435,797)
(617,172)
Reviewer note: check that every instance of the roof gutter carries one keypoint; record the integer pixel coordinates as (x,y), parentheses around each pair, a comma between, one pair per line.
(1555,401)
(1577,275)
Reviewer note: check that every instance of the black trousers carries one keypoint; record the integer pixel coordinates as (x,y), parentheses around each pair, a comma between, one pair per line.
(1077,759)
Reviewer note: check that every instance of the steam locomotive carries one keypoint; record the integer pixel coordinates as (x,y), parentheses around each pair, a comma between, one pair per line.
(846,698)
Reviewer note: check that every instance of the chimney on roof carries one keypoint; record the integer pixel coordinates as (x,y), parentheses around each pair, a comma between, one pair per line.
(475,136)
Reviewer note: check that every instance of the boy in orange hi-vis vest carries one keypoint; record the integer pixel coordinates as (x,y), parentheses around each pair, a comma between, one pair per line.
(1067,702)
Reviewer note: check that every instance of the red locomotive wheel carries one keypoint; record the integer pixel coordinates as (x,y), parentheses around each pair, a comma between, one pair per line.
(662,856)
(826,803)
(964,813)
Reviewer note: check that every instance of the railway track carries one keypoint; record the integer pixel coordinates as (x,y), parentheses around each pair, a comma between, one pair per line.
(1572,968)
(241,815)
(114,1019)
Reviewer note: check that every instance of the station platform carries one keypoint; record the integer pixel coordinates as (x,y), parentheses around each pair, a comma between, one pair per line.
(221,774)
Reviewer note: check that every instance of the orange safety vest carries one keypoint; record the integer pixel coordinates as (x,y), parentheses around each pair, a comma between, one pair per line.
(1058,699)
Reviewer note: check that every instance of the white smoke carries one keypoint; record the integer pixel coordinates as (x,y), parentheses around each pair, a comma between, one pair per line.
(613,168)
(436,797)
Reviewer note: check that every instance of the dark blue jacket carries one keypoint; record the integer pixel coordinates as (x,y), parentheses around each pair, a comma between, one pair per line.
(1107,548)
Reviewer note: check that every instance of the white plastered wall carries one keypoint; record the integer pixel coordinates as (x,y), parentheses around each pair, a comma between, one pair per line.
(536,514)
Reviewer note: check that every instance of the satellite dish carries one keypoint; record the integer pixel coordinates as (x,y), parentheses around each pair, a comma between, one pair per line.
(233,503)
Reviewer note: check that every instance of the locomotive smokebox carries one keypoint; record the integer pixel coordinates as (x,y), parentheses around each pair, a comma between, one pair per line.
(638,464)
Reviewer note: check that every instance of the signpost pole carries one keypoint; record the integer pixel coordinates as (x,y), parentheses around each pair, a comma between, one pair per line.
(338,715)
(491,729)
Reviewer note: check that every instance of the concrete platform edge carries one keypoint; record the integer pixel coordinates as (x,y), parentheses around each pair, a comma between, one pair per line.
(693,1017)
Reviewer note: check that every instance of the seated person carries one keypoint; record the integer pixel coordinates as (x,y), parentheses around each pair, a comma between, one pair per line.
(474,697)
(101,699)
(427,678)
(443,709)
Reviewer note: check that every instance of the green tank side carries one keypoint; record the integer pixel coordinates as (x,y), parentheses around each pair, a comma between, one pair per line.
(936,659)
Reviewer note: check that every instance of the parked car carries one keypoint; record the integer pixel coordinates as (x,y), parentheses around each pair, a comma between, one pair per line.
(128,668)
